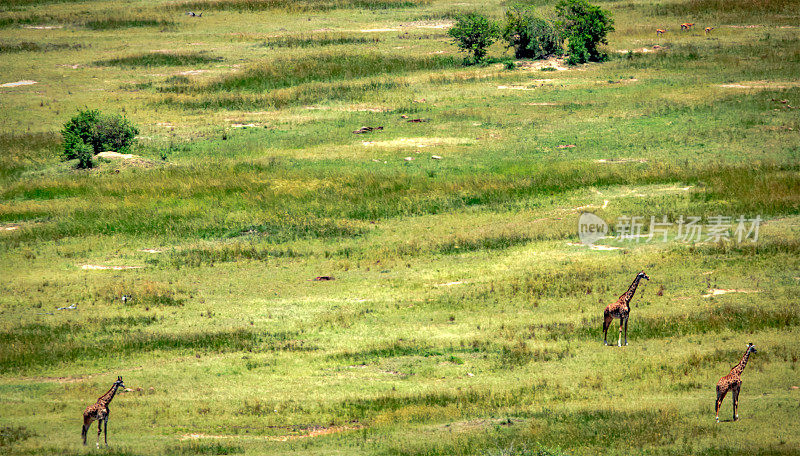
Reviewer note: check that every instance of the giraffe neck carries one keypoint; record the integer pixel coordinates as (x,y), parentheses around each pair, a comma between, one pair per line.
(106,398)
(626,297)
(740,367)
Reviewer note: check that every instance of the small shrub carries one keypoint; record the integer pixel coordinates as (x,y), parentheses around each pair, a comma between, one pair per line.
(531,37)
(84,153)
(585,27)
(100,132)
(474,33)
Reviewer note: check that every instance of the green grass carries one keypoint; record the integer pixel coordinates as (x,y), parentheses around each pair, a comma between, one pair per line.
(155,59)
(293,6)
(30,46)
(316,41)
(464,317)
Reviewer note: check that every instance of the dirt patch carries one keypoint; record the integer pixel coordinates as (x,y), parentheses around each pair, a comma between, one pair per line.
(151,251)
(417,142)
(308,433)
(503,87)
(128,159)
(719,291)
(19,83)
(621,160)
(380,30)
(10,227)
(193,72)
(43,27)
(761,85)
(103,267)
(595,246)
(541,104)
(441,25)
(555,63)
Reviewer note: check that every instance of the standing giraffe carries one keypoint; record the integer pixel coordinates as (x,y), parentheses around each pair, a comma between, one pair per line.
(733,382)
(99,411)
(620,309)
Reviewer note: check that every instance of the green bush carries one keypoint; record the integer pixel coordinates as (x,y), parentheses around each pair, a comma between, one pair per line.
(531,37)
(585,27)
(84,153)
(474,33)
(100,132)
(577,52)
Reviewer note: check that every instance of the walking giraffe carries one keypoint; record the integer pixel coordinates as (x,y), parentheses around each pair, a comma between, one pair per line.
(733,382)
(99,412)
(620,309)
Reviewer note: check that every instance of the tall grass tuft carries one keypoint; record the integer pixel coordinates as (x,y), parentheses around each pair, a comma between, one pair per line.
(327,67)
(316,41)
(152,59)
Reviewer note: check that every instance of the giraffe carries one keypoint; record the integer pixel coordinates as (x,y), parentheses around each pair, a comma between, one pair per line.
(620,309)
(99,411)
(733,382)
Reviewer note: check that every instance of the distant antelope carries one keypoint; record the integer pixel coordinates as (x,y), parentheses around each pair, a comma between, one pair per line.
(660,32)
(687,25)
(709,29)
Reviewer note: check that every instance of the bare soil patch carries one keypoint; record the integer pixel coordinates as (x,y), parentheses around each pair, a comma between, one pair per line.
(103,267)
(720,291)
(19,83)
(128,159)
(761,85)
(535,65)
(308,433)
(417,142)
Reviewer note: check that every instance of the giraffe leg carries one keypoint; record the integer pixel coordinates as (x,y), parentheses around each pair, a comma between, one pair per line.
(626,330)
(99,429)
(720,396)
(105,432)
(736,403)
(607,319)
(619,339)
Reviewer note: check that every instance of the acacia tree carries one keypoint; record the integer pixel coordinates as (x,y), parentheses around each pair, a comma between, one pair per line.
(474,33)
(585,26)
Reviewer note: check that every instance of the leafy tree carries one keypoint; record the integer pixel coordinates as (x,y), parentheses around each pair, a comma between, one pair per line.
(585,26)
(474,33)
(97,131)
(531,36)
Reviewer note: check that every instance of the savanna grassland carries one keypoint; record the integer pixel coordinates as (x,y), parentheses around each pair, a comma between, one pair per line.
(465,316)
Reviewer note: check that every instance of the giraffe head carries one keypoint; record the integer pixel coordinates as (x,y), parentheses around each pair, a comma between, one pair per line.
(119,383)
(642,275)
(751,348)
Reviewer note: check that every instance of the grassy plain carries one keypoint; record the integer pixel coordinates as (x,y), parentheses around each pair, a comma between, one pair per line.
(465,317)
